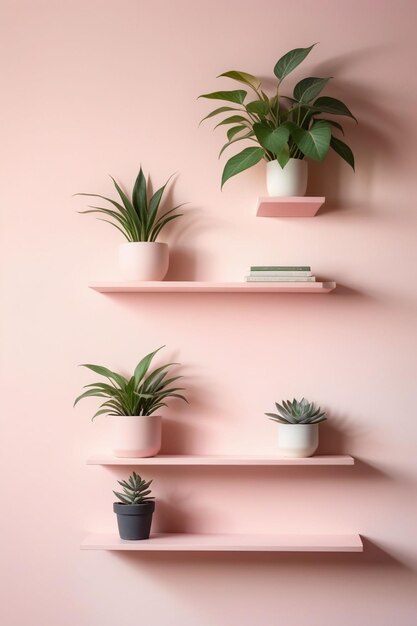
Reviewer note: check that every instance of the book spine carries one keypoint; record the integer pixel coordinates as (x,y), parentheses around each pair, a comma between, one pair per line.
(280,268)
(276,279)
(280,273)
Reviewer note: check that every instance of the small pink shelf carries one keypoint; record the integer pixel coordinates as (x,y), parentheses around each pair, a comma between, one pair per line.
(233,460)
(296,206)
(227,543)
(210,287)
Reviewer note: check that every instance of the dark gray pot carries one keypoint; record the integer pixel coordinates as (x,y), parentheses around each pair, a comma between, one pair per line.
(134,520)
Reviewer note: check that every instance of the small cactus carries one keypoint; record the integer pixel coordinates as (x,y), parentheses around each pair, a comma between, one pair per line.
(135,490)
(297,412)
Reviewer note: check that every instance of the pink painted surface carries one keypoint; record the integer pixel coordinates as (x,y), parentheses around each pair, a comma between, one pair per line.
(175,459)
(227,543)
(295,206)
(97,87)
(212,287)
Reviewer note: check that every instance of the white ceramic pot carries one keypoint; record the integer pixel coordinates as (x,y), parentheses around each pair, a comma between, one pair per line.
(288,181)
(143,260)
(136,436)
(297,441)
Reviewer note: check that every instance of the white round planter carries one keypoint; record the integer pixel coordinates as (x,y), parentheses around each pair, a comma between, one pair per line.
(297,441)
(288,181)
(136,436)
(143,260)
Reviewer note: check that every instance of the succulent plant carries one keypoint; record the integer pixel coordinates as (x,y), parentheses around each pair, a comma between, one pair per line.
(297,412)
(141,394)
(135,490)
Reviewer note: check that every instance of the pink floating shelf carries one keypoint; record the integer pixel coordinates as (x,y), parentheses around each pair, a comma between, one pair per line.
(227,543)
(295,206)
(220,460)
(191,286)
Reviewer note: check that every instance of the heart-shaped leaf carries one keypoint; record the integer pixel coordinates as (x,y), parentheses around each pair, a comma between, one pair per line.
(309,88)
(271,139)
(313,143)
(259,107)
(286,64)
(332,105)
(241,161)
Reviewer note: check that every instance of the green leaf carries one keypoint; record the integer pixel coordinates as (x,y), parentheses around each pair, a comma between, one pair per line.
(242,77)
(218,111)
(139,195)
(259,107)
(331,122)
(241,161)
(234,131)
(272,140)
(313,143)
(309,88)
(343,150)
(237,96)
(332,105)
(286,64)
(143,366)
(284,156)
(232,120)
(226,145)
(103,371)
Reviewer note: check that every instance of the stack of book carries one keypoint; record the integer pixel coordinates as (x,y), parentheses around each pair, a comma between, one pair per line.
(280,274)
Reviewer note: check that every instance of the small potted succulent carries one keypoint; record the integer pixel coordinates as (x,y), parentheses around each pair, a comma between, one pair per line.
(285,130)
(298,427)
(131,405)
(135,509)
(138,219)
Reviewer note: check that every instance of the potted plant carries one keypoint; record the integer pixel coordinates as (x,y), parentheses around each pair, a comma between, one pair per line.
(131,405)
(135,509)
(138,219)
(298,427)
(285,129)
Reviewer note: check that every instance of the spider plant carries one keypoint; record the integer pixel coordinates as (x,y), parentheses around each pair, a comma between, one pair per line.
(141,394)
(136,217)
(282,127)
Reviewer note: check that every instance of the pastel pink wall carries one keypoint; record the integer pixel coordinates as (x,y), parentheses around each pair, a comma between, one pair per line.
(97,87)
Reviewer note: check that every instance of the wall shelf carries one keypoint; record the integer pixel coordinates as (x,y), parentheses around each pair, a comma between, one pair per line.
(220,460)
(211,287)
(227,543)
(296,206)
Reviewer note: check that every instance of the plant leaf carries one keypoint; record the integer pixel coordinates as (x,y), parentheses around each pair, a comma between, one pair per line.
(226,145)
(242,77)
(287,63)
(313,143)
(143,366)
(334,106)
(233,119)
(241,161)
(103,371)
(343,150)
(237,96)
(234,131)
(218,111)
(272,140)
(309,88)
(259,107)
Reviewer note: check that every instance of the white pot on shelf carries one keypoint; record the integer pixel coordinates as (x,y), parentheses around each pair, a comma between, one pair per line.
(136,436)
(297,441)
(288,181)
(143,260)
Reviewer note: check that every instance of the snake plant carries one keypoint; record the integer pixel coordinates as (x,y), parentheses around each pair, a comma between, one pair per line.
(135,490)
(282,127)
(297,412)
(141,394)
(136,217)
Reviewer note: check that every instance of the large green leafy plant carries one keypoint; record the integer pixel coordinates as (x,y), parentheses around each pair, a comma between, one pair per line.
(136,217)
(142,394)
(283,127)
(297,412)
